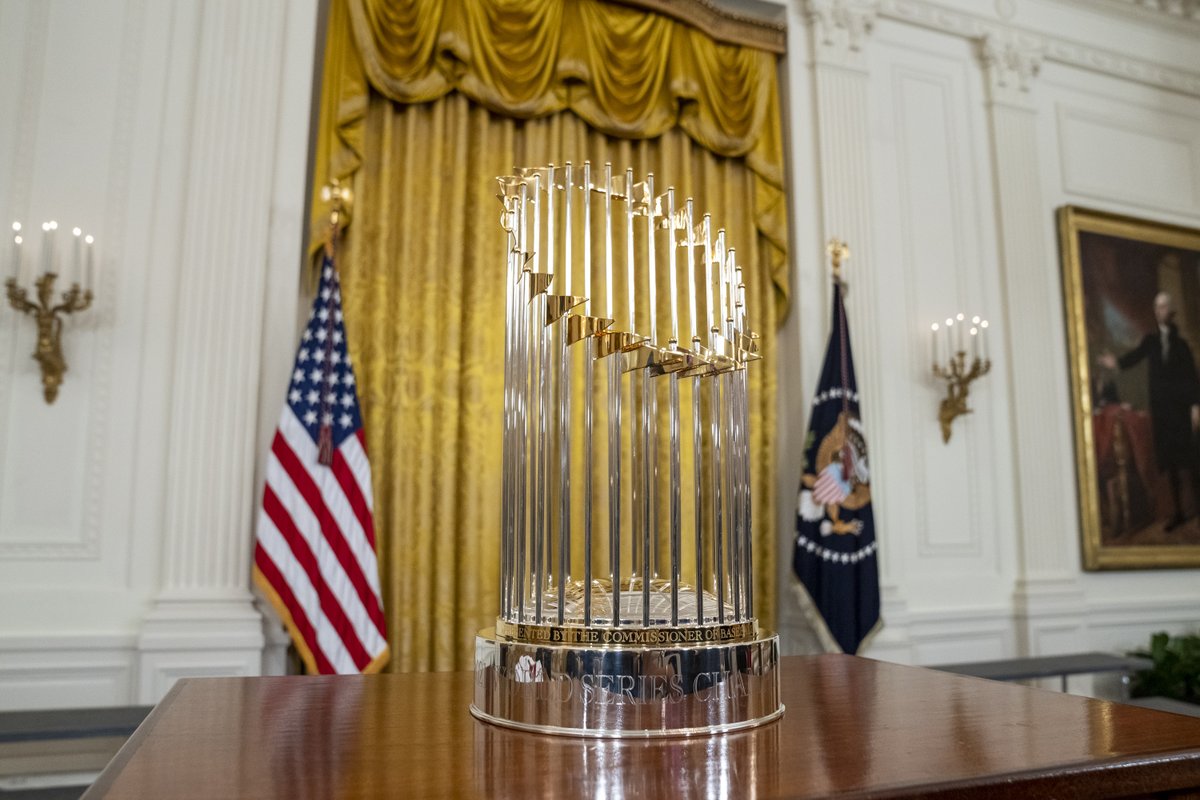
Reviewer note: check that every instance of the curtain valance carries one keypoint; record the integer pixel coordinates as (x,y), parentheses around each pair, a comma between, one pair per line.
(624,71)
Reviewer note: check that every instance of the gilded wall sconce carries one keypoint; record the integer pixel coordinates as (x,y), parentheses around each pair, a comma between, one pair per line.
(960,355)
(47,314)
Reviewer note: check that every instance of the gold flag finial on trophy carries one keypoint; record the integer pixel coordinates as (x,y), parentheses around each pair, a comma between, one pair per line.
(838,251)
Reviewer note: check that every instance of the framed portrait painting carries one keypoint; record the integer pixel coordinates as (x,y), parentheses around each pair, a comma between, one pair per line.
(1132,290)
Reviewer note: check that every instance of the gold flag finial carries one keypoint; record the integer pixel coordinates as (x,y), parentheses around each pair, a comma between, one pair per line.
(838,251)
(339,198)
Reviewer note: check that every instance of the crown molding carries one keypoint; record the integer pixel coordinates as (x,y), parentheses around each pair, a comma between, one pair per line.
(1162,13)
(1057,49)
(721,23)
(841,25)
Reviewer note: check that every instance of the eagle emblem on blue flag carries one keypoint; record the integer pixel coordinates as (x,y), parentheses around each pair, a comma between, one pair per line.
(835,560)
(841,478)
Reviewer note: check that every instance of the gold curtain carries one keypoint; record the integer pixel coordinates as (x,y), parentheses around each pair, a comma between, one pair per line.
(626,72)
(422,263)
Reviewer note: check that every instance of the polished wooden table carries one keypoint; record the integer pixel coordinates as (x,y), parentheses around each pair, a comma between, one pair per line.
(853,728)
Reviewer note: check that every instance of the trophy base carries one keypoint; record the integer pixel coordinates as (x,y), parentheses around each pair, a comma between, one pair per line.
(633,692)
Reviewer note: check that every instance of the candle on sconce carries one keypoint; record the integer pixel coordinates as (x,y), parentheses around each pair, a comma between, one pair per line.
(91,263)
(15,266)
(77,268)
(974,343)
(983,348)
(933,343)
(948,331)
(45,247)
(961,332)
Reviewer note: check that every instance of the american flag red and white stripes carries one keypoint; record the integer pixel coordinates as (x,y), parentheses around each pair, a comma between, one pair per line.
(315,557)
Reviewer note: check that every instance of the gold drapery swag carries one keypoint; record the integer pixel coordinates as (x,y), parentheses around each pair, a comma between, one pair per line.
(625,72)
(418,125)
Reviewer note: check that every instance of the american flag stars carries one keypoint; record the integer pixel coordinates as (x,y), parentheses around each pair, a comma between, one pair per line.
(322,392)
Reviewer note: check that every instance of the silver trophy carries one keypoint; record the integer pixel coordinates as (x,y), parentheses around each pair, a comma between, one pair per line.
(612,621)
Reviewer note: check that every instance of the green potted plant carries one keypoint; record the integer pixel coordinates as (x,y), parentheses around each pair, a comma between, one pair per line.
(1176,670)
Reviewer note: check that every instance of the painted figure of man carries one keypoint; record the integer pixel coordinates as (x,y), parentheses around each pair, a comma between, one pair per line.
(1174,400)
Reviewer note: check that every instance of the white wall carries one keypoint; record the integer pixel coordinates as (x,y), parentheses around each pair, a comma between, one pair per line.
(939,138)
(176,133)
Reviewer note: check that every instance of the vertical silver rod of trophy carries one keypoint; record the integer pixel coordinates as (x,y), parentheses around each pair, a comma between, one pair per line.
(731,452)
(550,387)
(697,434)
(635,451)
(747,504)
(507,504)
(673,414)
(564,421)
(717,433)
(738,418)
(522,432)
(676,502)
(673,407)
(647,391)
(648,494)
(589,378)
(651,402)
(541,376)
(614,416)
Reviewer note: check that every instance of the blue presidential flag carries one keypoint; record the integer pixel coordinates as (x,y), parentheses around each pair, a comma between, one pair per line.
(836,560)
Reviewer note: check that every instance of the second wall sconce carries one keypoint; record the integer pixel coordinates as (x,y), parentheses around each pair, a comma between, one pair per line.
(960,355)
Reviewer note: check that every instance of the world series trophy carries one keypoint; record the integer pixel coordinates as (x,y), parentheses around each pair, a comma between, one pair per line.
(629,613)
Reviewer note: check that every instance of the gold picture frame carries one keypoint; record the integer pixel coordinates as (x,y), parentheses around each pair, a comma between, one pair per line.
(1138,475)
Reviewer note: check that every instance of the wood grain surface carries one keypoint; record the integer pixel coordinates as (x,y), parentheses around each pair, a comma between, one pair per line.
(853,728)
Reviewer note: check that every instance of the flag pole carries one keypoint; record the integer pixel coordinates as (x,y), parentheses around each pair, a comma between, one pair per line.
(839,252)
(339,197)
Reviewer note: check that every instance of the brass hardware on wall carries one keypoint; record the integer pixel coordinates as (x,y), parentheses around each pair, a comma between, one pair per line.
(47,314)
(960,356)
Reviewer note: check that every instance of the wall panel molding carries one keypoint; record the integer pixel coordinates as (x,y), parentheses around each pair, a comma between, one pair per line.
(1094,146)
(924,123)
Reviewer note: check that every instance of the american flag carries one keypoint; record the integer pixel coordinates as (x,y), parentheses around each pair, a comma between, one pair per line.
(314,557)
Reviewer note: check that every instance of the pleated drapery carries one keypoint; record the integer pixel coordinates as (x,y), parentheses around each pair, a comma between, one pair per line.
(423,104)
